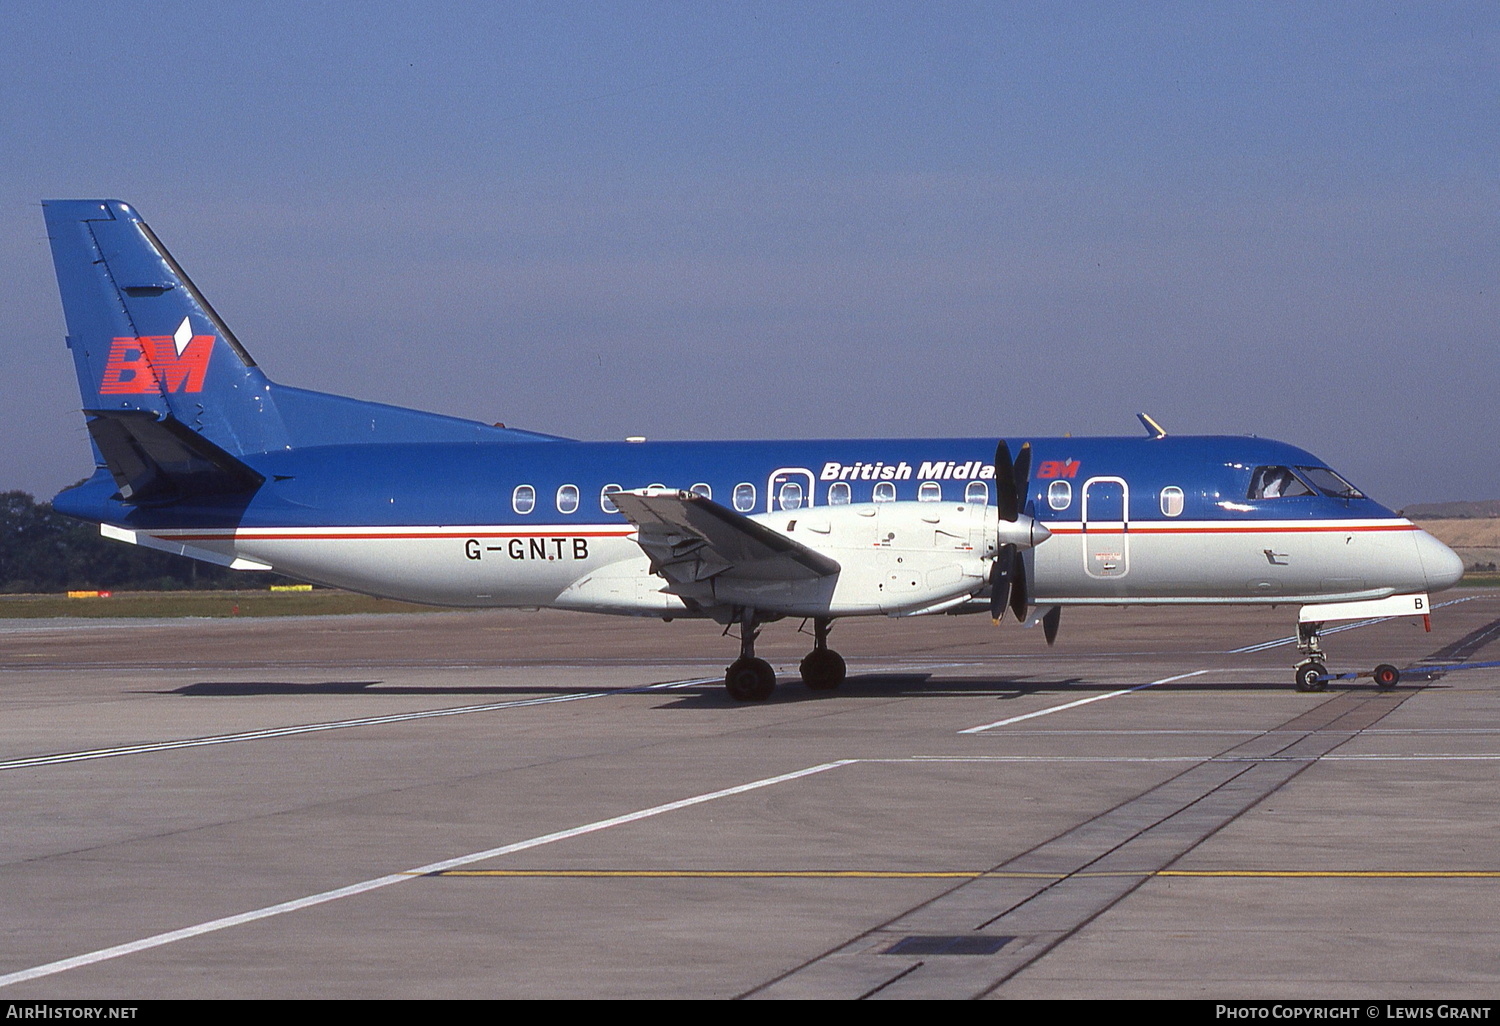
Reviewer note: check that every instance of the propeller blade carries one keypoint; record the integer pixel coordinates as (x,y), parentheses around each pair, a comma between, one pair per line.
(1021,472)
(1007,498)
(1018,596)
(1000,573)
(1050,621)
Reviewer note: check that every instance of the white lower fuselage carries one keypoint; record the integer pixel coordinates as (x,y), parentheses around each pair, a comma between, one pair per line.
(599,568)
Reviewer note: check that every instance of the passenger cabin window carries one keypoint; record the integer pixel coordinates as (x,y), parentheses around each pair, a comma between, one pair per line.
(977,493)
(605,502)
(1276,483)
(930,491)
(838,493)
(885,492)
(1059,495)
(523,499)
(702,490)
(567,499)
(790,495)
(744,497)
(1171,501)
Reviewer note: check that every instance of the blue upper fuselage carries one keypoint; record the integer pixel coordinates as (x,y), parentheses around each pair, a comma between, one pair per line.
(459,483)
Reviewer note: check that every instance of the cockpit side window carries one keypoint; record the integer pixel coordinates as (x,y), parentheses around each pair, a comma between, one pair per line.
(1276,483)
(1329,483)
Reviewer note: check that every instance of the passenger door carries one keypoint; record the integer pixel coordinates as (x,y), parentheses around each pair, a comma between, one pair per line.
(1106,527)
(790,488)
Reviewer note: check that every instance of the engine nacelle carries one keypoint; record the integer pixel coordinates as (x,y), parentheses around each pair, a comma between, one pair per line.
(896,557)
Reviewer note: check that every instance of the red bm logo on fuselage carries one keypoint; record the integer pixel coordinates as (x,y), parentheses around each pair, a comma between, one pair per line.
(153,363)
(1058,468)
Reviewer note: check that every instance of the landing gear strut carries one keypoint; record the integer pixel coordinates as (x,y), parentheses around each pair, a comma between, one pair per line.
(749,679)
(1311,673)
(1312,670)
(822,669)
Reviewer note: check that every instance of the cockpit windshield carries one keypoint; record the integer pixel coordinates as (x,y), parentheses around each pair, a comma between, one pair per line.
(1286,482)
(1329,483)
(1276,483)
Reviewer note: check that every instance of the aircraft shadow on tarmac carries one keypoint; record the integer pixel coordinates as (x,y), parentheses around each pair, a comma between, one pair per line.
(246,688)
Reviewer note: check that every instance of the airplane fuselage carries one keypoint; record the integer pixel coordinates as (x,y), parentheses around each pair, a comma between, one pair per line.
(1166,520)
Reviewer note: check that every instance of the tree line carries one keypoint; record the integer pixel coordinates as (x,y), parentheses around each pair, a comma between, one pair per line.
(43,551)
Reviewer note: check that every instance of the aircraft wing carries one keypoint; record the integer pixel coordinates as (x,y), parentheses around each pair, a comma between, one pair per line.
(691,540)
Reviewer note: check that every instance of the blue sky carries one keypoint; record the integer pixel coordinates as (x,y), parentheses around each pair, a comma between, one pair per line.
(798,220)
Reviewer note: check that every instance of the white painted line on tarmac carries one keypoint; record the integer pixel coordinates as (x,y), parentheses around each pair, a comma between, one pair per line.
(311,728)
(1435,757)
(214,925)
(1081,701)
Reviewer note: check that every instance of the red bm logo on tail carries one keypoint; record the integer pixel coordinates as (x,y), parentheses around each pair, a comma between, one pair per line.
(157,363)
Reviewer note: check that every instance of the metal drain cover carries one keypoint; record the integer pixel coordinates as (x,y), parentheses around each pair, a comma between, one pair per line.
(962,944)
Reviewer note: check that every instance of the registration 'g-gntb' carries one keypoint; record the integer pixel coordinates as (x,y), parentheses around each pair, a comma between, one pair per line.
(199,453)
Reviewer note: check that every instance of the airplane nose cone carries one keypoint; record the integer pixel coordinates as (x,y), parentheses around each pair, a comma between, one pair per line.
(1440,564)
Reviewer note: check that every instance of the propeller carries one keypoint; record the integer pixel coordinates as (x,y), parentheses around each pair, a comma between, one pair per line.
(1008,571)
(1008,584)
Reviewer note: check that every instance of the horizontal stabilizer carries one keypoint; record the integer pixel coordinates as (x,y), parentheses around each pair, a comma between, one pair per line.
(159,460)
(690,539)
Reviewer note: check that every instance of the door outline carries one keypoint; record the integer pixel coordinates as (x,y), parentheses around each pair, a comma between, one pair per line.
(780,477)
(1110,538)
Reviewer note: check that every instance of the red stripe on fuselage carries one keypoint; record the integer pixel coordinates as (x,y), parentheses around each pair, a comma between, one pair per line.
(1139,528)
(388,536)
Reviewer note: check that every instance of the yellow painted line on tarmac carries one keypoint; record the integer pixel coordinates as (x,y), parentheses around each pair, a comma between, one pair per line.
(723,874)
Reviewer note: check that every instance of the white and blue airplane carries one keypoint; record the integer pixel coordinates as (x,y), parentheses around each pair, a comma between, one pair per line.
(197,452)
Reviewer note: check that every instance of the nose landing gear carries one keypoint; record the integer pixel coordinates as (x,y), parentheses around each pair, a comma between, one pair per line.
(1311,673)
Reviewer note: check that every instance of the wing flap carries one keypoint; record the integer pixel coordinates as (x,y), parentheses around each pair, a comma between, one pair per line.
(691,540)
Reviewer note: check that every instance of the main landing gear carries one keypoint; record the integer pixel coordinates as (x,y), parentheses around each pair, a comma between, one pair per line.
(750,679)
(1311,673)
(822,669)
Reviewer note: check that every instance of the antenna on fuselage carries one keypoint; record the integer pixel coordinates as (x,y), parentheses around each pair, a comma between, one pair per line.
(1153,429)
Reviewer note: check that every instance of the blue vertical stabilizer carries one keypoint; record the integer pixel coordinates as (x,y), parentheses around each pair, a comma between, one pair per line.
(145,341)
